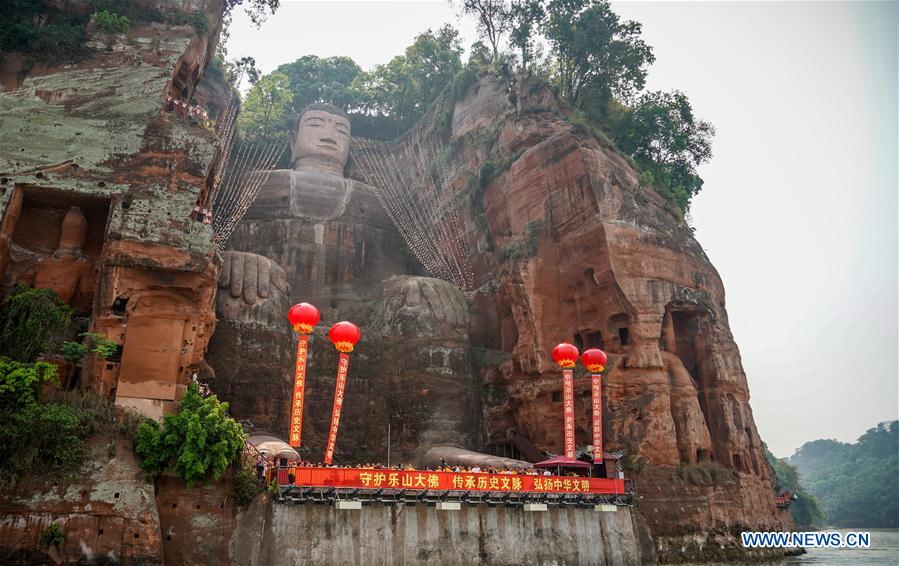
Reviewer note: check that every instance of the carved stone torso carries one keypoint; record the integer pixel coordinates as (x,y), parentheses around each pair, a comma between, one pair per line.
(330,234)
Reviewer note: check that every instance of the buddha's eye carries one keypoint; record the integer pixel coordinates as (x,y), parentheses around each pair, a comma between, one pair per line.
(341,130)
(315,123)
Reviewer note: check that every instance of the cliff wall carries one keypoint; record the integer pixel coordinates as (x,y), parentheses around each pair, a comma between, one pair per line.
(97,193)
(570,247)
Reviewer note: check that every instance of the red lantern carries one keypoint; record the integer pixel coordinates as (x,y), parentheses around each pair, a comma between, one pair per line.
(303,317)
(344,335)
(594,360)
(565,355)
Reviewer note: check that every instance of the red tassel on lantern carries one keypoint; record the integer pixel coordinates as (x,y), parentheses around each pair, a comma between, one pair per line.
(344,335)
(565,355)
(303,317)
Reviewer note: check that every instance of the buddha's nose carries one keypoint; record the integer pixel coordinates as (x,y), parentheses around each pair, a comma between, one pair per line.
(329,139)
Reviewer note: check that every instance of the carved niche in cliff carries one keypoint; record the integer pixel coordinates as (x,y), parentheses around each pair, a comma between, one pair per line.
(52,239)
(162,320)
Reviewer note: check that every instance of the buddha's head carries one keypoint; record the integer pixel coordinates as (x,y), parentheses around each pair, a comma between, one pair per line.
(322,140)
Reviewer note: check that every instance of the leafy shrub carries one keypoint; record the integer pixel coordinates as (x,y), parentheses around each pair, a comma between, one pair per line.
(246,485)
(41,436)
(52,436)
(110,22)
(73,352)
(34,27)
(33,322)
(525,247)
(199,440)
(20,382)
(200,23)
(52,536)
(100,344)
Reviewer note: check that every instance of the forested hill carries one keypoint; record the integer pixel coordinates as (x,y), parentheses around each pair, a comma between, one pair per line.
(857,485)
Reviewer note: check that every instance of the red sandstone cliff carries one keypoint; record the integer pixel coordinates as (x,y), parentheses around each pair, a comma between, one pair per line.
(600,261)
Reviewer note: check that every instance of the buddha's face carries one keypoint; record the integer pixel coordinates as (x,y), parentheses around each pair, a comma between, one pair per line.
(322,142)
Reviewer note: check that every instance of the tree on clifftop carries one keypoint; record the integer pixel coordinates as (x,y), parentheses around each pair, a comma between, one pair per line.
(596,55)
(264,107)
(661,133)
(321,79)
(406,86)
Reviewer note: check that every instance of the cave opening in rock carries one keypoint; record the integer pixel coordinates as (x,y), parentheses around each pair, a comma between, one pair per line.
(118,306)
(579,342)
(686,327)
(618,329)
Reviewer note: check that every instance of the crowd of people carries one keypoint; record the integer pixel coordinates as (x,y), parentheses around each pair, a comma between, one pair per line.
(193,112)
(442,467)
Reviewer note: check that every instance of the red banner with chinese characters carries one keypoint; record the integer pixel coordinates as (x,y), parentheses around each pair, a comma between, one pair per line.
(342,368)
(453,481)
(299,391)
(568,402)
(596,382)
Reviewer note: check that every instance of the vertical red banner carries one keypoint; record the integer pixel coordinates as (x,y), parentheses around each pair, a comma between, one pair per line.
(596,382)
(342,368)
(568,403)
(299,391)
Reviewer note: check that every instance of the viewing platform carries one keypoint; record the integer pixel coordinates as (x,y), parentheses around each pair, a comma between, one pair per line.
(449,490)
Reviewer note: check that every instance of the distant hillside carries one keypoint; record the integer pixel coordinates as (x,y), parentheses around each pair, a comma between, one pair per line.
(857,485)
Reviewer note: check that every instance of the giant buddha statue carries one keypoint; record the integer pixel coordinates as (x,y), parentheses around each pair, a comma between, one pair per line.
(312,235)
(329,233)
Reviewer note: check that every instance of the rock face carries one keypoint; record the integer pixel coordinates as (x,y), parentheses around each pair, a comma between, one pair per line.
(254,349)
(419,330)
(108,512)
(576,250)
(570,248)
(97,189)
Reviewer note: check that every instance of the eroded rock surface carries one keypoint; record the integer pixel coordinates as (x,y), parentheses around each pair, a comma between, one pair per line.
(576,250)
(97,189)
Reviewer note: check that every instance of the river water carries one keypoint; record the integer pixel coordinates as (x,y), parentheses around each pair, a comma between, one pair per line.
(884,550)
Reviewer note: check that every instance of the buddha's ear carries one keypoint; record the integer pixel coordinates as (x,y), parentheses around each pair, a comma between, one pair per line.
(292,142)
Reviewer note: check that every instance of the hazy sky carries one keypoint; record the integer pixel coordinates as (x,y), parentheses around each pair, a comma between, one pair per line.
(799,208)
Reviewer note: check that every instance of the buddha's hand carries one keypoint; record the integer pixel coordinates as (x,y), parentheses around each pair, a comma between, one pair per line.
(251,276)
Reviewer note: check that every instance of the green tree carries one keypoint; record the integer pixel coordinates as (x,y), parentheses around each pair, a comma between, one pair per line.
(110,22)
(266,102)
(33,322)
(406,86)
(494,19)
(21,382)
(257,10)
(321,79)
(527,17)
(665,138)
(198,441)
(596,54)
(856,484)
(804,508)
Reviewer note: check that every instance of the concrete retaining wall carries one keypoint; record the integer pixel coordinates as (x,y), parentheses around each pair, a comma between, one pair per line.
(270,533)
